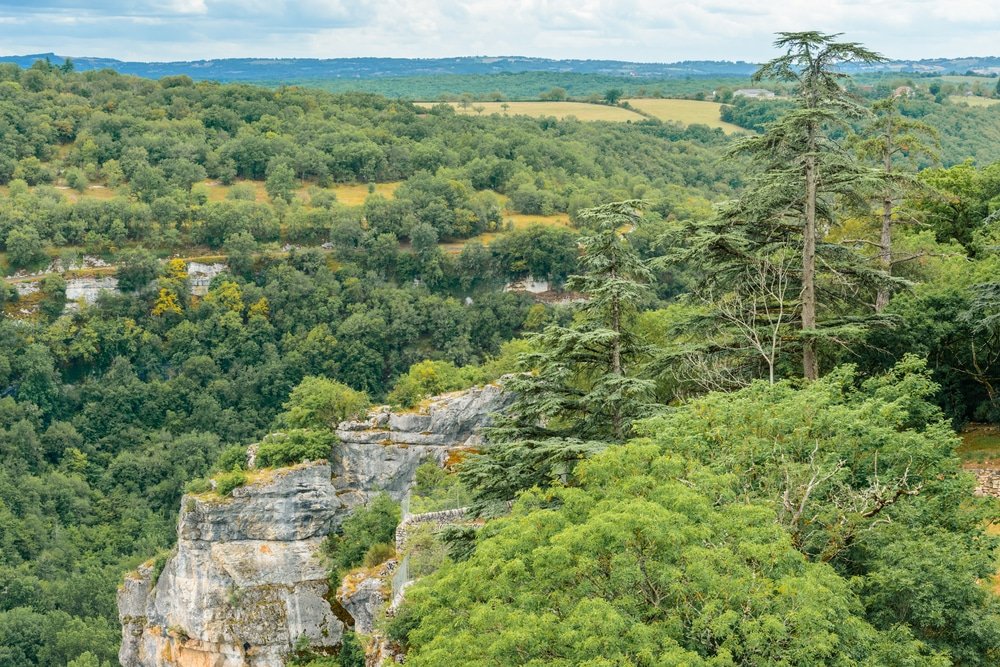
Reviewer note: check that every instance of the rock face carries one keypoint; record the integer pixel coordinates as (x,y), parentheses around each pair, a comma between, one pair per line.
(246,583)
(88,289)
(382,452)
(200,276)
(987,481)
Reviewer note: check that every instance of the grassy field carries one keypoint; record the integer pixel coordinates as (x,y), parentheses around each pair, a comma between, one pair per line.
(580,110)
(687,112)
(518,220)
(972,100)
(351,194)
(980,444)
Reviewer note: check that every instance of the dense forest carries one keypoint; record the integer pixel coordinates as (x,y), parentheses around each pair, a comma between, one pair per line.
(734,446)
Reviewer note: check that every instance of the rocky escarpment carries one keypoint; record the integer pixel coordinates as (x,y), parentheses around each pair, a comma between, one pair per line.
(246,584)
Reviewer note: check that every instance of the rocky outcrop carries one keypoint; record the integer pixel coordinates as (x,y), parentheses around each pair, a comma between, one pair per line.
(87,289)
(363,594)
(383,452)
(246,583)
(200,276)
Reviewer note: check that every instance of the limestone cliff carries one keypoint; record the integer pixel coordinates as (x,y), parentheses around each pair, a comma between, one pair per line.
(245,584)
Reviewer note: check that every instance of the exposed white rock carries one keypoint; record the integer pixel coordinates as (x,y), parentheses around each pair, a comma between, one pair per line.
(246,581)
(87,289)
(200,276)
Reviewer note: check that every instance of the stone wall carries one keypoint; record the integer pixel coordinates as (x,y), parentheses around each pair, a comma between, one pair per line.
(987,481)
(439,519)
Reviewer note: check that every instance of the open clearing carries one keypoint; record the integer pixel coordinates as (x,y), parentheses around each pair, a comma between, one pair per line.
(973,100)
(687,112)
(980,444)
(518,220)
(580,110)
(350,194)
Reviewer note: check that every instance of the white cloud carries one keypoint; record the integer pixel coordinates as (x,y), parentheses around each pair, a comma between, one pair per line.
(647,30)
(188,6)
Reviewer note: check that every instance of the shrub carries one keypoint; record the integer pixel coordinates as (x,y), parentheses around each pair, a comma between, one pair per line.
(232,458)
(429,378)
(226,482)
(198,485)
(372,524)
(378,554)
(319,402)
(295,446)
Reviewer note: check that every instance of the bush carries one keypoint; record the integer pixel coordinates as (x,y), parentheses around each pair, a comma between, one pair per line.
(378,554)
(226,482)
(232,458)
(319,402)
(295,446)
(429,378)
(198,485)
(367,526)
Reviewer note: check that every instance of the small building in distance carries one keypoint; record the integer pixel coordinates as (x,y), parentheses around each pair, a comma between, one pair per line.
(755,93)
(903,91)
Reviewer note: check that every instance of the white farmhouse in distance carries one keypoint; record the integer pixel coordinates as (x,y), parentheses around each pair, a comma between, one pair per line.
(757,93)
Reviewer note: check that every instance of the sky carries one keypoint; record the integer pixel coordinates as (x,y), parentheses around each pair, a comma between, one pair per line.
(637,30)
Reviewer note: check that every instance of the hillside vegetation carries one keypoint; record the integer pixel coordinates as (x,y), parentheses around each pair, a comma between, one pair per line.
(732,436)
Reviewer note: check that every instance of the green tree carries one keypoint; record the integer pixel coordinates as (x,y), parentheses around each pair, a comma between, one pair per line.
(280,183)
(367,525)
(889,138)
(649,562)
(801,166)
(613,95)
(53,291)
(137,268)
(584,386)
(319,402)
(24,247)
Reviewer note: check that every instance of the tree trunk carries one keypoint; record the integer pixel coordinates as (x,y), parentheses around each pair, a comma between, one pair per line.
(810,362)
(616,358)
(885,241)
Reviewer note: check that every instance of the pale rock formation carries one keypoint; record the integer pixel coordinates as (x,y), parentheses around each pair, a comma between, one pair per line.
(87,289)
(246,583)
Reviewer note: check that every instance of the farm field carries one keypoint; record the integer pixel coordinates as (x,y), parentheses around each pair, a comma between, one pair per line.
(980,444)
(350,194)
(687,112)
(518,220)
(580,110)
(973,100)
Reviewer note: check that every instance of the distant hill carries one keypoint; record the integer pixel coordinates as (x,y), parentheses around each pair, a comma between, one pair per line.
(299,69)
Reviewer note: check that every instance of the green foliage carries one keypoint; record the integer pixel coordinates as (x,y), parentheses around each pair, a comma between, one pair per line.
(378,554)
(227,482)
(233,457)
(596,579)
(318,403)
(436,489)
(294,446)
(24,247)
(429,378)
(582,387)
(750,507)
(136,269)
(350,654)
(366,526)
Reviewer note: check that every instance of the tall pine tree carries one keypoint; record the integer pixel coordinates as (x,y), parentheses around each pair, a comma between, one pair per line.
(582,387)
